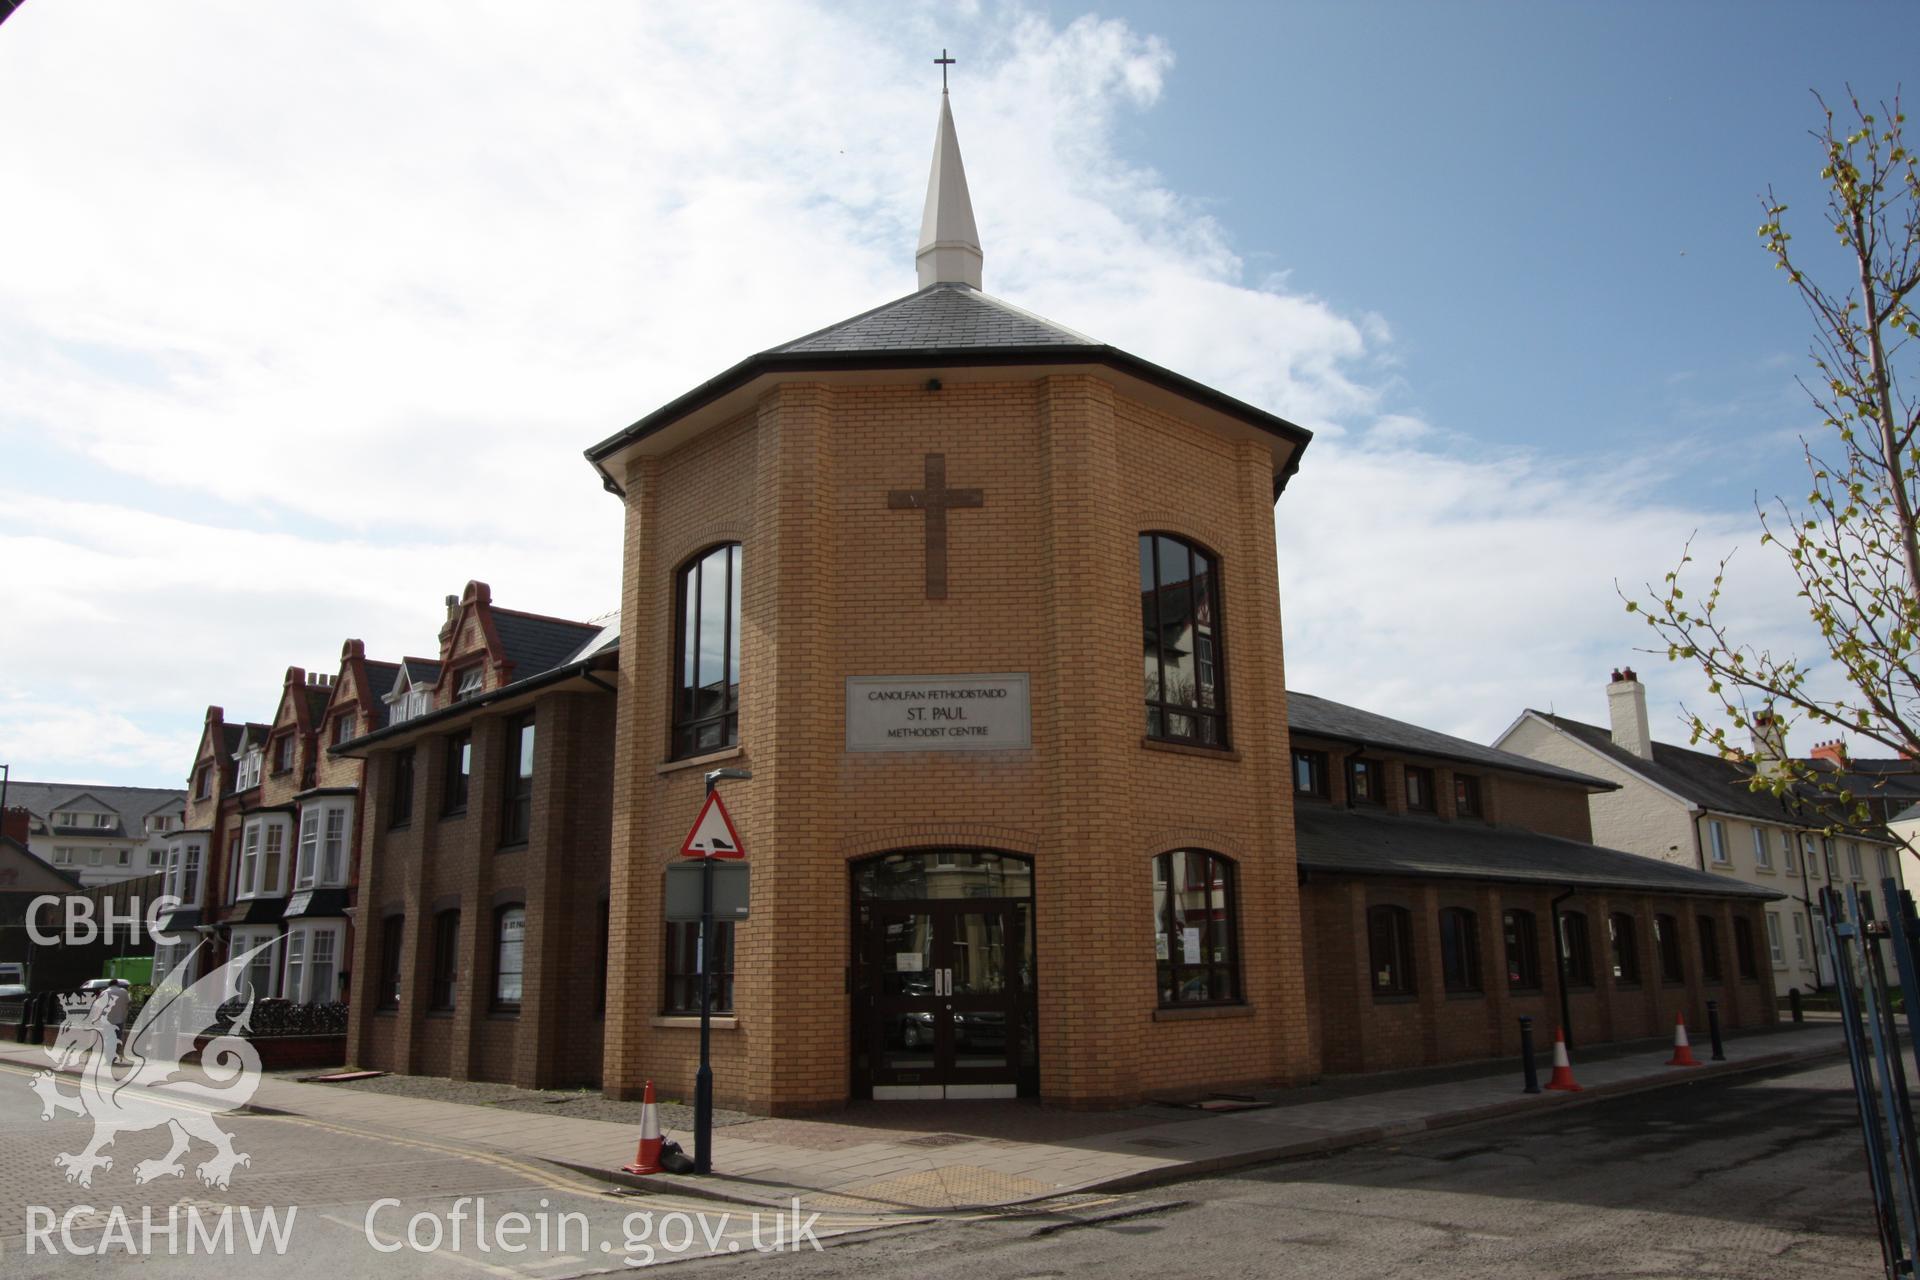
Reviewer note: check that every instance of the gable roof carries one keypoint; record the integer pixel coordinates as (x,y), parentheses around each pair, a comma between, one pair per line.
(1356,842)
(380,680)
(1325,718)
(1699,777)
(941,317)
(420,671)
(23,872)
(535,643)
(130,804)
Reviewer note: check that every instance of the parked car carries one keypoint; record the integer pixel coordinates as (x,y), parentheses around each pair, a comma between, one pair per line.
(13,991)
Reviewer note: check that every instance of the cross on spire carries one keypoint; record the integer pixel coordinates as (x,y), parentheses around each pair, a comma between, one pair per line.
(943,62)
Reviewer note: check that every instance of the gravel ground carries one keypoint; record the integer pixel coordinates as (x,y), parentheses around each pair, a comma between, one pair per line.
(579,1104)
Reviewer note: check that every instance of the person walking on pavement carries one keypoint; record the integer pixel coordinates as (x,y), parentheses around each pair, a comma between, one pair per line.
(110,1013)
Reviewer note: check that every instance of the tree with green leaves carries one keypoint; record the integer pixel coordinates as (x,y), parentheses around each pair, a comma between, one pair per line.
(1853,544)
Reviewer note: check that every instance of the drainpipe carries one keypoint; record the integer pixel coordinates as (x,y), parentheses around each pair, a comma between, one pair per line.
(1806,900)
(1560,964)
(1699,850)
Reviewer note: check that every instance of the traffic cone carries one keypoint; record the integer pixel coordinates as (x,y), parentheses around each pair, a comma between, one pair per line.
(647,1159)
(1682,1050)
(1562,1068)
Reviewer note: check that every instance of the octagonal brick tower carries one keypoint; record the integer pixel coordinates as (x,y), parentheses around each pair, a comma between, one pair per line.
(909,570)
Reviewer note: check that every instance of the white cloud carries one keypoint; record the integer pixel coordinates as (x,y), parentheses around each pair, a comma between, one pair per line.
(326,301)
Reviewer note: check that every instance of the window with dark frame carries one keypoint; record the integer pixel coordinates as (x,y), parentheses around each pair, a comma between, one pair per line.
(203,783)
(344,727)
(1623,933)
(1310,773)
(1576,948)
(1666,936)
(1459,950)
(1363,781)
(1743,956)
(1196,946)
(1420,789)
(459,772)
(683,967)
(706,703)
(1390,950)
(1523,950)
(1466,795)
(516,818)
(400,808)
(446,961)
(1185,668)
(392,944)
(1709,949)
(509,956)
(283,753)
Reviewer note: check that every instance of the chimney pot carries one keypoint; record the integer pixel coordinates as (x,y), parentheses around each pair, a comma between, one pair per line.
(1627,710)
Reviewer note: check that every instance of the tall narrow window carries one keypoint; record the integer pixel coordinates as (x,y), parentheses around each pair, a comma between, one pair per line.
(401,810)
(1853,860)
(1390,950)
(706,704)
(446,961)
(1717,836)
(1666,934)
(1743,958)
(1310,773)
(509,933)
(1576,948)
(1762,851)
(333,846)
(1523,950)
(1459,950)
(1363,781)
(1626,948)
(1786,853)
(1709,949)
(459,769)
(1180,630)
(683,967)
(1195,945)
(517,820)
(392,940)
(1419,789)
(308,863)
(190,874)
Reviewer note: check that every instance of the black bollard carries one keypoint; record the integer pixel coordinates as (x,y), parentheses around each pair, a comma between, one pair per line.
(1526,1056)
(1793,1003)
(1713,1030)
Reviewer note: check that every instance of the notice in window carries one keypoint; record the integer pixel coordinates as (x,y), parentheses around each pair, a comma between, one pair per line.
(1190,945)
(907,961)
(1160,946)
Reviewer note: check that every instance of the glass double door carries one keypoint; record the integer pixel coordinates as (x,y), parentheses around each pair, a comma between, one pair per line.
(949,987)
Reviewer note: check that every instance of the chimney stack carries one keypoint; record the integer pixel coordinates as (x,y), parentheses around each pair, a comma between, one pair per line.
(16,823)
(1769,746)
(1835,751)
(1627,708)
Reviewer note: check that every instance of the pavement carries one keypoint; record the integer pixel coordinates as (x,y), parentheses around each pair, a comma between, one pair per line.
(915,1158)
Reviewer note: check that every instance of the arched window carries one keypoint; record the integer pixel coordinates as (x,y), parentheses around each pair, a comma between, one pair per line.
(706,702)
(509,936)
(1460,949)
(1576,948)
(1709,949)
(1390,950)
(1180,629)
(1626,948)
(1523,950)
(1195,945)
(1666,933)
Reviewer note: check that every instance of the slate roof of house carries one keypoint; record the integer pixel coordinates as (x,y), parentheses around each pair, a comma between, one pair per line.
(940,317)
(130,804)
(1882,778)
(317,696)
(1354,842)
(230,737)
(419,671)
(1322,717)
(535,643)
(380,680)
(1698,776)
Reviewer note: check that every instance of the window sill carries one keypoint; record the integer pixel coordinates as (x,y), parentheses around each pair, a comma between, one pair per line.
(386,1013)
(449,815)
(442,1014)
(1187,749)
(694,762)
(1466,995)
(504,1015)
(1201,1012)
(1407,997)
(720,1021)
(401,826)
(1526,991)
(517,846)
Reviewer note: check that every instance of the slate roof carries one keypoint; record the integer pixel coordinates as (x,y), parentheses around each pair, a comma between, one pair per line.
(419,671)
(1350,842)
(535,644)
(1698,776)
(131,804)
(1877,778)
(380,680)
(941,317)
(317,698)
(1322,717)
(230,733)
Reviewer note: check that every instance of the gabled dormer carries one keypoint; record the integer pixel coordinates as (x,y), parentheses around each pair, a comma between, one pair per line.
(249,756)
(289,754)
(356,706)
(212,773)
(411,694)
(484,647)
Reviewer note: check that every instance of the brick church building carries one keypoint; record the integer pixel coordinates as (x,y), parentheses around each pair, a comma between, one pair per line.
(990,612)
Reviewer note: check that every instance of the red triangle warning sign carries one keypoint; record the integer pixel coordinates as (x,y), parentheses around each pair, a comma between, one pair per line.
(713,835)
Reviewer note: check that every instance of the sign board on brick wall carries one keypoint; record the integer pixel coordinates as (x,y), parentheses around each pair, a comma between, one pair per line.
(939,713)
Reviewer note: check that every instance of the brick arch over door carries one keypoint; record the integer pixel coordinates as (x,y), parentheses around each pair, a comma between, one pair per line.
(937,835)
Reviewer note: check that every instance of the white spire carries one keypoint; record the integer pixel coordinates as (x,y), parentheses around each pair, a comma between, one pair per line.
(949,243)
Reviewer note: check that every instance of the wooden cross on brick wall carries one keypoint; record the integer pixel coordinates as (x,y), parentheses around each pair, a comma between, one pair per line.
(935,499)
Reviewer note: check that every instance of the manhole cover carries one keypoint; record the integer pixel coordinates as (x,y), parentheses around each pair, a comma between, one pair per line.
(936,1140)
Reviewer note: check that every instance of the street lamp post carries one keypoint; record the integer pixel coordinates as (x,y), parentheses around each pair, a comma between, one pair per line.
(703,1081)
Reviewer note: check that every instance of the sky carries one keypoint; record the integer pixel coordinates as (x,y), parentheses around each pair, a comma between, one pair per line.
(306,313)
